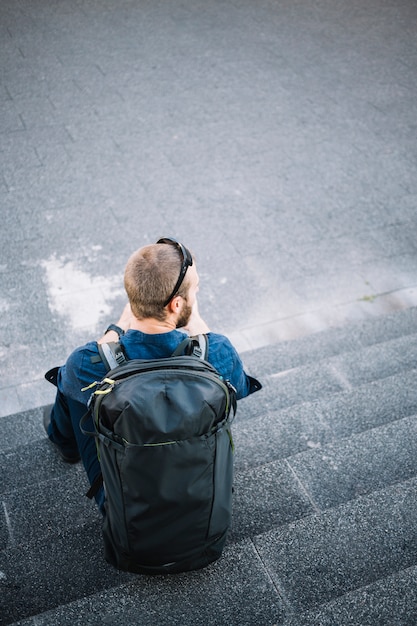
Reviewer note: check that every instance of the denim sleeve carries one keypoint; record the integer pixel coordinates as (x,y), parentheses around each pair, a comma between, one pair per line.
(223,356)
(79,371)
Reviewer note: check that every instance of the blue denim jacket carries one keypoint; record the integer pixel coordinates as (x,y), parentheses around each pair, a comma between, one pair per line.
(81,368)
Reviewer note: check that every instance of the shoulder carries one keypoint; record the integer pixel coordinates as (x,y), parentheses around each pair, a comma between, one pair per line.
(224,357)
(81,369)
(222,354)
(220,344)
(80,355)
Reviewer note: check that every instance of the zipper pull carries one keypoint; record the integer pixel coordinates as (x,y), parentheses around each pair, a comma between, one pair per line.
(109,381)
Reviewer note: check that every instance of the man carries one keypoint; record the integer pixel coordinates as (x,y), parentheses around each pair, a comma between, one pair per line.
(161,283)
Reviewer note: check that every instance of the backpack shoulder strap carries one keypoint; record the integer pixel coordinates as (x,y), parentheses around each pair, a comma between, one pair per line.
(111,354)
(196,346)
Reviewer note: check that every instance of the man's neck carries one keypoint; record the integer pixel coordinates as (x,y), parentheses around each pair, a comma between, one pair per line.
(152,326)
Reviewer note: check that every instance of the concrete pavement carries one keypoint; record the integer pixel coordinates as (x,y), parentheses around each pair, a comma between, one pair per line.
(277,139)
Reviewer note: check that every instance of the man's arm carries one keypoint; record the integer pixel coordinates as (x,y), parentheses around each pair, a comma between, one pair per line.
(196,325)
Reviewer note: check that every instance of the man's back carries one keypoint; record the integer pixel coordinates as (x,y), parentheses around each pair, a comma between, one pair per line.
(84,366)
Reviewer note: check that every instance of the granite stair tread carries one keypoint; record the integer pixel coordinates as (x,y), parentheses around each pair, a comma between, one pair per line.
(324,504)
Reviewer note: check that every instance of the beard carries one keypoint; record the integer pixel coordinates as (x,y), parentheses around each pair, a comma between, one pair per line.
(184,316)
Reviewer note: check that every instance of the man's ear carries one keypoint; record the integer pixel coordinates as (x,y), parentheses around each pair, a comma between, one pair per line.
(175,305)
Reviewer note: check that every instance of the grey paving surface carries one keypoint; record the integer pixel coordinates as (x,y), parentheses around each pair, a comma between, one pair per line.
(277,139)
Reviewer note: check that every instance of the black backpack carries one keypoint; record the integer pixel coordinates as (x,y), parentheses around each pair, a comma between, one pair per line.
(166,454)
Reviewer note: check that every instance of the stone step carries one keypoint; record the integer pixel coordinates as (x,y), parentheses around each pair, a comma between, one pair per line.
(332,342)
(288,489)
(235,590)
(327,451)
(319,558)
(277,434)
(353,564)
(390,601)
(320,378)
(271,435)
(315,479)
(53,513)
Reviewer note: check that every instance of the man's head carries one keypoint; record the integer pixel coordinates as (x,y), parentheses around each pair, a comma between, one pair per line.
(153,285)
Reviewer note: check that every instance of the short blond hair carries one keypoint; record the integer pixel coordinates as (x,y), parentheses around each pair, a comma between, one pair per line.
(150,276)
